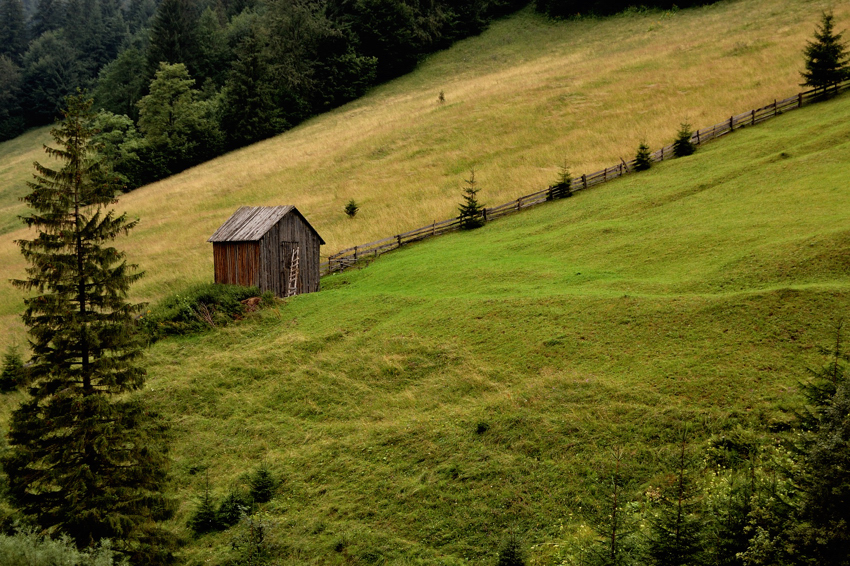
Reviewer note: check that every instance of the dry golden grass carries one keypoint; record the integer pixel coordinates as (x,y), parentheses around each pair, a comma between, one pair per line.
(520,99)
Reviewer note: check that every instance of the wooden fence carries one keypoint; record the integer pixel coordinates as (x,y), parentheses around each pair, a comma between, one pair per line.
(350,256)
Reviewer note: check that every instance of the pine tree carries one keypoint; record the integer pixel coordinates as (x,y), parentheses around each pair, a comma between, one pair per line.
(86,457)
(511,553)
(173,36)
(13,30)
(683,146)
(676,529)
(822,526)
(351,208)
(48,16)
(470,210)
(561,189)
(643,159)
(826,56)
(262,485)
(12,374)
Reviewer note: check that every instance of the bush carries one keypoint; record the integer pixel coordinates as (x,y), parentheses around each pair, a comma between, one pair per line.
(511,553)
(26,548)
(233,508)
(561,189)
(197,309)
(262,485)
(13,370)
(351,208)
(643,159)
(205,517)
(470,210)
(683,146)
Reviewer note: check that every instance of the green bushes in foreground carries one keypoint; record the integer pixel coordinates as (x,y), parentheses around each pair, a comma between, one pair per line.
(199,308)
(26,548)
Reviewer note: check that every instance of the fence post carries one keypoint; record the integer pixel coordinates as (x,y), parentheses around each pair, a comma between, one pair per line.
(398,239)
(799,100)
(355,252)
(518,201)
(774,108)
(484,212)
(434,228)
(662,153)
(753,119)
(584,180)
(698,142)
(731,123)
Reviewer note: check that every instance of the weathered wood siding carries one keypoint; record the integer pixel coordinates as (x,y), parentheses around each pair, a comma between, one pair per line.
(237,263)
(294,231)
(265,259)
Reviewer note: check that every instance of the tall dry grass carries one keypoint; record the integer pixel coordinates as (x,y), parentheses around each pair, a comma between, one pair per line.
(519,100)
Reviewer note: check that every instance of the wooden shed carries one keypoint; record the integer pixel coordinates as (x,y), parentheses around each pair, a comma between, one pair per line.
(265,246)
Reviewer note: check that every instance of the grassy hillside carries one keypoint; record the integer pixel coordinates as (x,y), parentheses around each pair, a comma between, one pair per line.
(418,409)
(520,99)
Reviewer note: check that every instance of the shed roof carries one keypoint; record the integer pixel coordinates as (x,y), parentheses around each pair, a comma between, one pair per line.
(250,223)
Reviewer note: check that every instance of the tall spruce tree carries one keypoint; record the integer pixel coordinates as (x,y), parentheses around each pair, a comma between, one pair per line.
(85,458)
(13,30)
(826,56)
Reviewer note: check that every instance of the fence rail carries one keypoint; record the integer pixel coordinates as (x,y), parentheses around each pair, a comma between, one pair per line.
(346,258)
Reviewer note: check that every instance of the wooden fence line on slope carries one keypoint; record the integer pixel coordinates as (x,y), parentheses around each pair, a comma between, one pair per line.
(350,256)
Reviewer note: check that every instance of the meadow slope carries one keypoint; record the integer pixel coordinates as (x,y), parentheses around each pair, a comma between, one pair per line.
(418,409)
(521,99)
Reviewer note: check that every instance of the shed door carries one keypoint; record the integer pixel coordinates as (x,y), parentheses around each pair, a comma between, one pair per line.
(285,264)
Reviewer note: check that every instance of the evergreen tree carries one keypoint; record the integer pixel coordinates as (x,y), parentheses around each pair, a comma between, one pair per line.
(48,16)
(822,526)
(643,159)
(12,374)
(351,208)
(173,36)
(470,210)
(511,553)
(683,146)
(85,457)
(676,528)
(205,518)
(826,57)
(262,485)
(250,109)
(11,113)
(13,30)
(52,71)
(561,189)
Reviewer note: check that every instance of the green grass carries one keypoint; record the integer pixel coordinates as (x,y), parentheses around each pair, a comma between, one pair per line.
(418,409)
(521,98)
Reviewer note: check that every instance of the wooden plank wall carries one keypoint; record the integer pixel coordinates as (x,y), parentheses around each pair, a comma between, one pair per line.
(236,263)
(350,256)
(292,229)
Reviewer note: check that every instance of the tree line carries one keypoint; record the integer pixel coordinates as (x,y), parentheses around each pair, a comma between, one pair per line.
(181,81)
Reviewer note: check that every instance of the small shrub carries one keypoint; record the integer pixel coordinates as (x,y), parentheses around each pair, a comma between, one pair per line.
(470,210)
(561,189)
(511,553)
(441,98)
(351,208)
(26,548)
(205,517)
(683,146)
(481,428)
(13,370)
(262,485)
(232,509)
(643,159)
(250,541)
